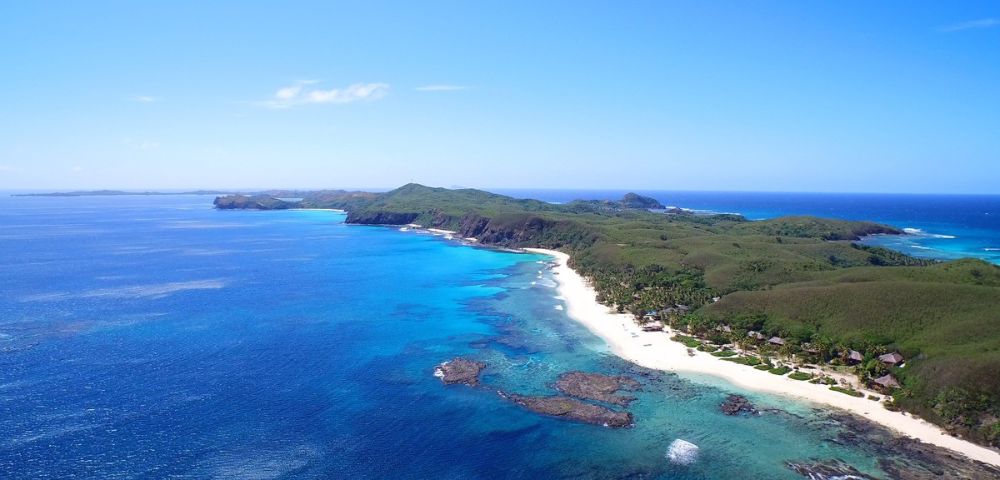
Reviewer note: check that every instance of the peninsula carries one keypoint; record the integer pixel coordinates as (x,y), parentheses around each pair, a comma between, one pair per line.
(795,296)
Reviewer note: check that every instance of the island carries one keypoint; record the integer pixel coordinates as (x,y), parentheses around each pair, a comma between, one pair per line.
(117,193)
(460,370)
(925,334)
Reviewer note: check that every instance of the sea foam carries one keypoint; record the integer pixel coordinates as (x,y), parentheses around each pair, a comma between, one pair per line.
(682,452)
(920,233)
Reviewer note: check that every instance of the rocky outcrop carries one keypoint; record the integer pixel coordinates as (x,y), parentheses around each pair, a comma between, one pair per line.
(737,405)
(380,217)
(827,470)
(595,386)
(634,200)
(572,409)
(511,231)
(460,370)
(904,458)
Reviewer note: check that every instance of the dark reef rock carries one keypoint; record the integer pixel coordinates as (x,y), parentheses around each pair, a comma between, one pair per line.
(595,386)
(460,370)
(737,405)
(828,470)
(572,409)
(904,458)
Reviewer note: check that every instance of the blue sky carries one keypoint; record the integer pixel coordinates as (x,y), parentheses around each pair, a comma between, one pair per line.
(761,96)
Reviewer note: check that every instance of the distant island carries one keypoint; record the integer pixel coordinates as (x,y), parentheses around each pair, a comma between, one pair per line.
(111,193)
(924,333)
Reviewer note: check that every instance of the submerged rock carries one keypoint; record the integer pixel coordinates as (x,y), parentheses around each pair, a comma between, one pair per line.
(572,409)
(460,370)
(595,386)
(903,458)
(828,470)
(682,452)
(737,405)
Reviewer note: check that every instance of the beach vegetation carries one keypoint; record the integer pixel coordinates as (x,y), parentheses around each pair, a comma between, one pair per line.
(689,342)
(780,370)
(847,391)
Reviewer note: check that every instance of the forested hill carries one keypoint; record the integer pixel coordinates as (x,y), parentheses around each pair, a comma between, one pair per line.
(801,278)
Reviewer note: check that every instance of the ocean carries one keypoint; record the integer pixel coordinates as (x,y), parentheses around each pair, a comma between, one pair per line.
(155,337)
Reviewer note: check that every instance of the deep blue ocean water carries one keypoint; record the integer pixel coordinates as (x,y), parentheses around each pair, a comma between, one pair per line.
(155,337)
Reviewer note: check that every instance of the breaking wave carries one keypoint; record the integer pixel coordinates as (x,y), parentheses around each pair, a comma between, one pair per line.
(682,452)
(920,233)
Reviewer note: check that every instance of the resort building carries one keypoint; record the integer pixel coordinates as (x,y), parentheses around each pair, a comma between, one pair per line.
(887,381)
(654,326)
(855,356)
(893,358)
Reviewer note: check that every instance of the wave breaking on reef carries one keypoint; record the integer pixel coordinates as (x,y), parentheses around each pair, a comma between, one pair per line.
(682,452)
(920,233)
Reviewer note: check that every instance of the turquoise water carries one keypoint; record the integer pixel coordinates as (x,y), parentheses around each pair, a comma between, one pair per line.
(153,337)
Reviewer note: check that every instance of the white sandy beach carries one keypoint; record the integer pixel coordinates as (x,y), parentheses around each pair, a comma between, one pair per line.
(656,350)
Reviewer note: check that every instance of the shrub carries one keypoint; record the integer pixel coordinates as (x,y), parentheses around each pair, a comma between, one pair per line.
(780,370)
(847,391)
(689,342)
(802,376)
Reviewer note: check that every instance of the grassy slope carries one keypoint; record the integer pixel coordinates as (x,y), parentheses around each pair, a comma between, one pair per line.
(945,316)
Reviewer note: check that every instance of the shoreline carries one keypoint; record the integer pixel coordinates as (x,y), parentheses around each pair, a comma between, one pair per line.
(657,351)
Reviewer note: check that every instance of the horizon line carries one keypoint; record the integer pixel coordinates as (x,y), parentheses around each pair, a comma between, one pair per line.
(181,190)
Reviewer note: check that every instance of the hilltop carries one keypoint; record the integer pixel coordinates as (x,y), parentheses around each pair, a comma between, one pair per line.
(801,278)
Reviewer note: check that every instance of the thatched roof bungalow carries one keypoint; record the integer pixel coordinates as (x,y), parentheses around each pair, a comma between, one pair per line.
(887,381)
(893,358)
(776,341)
(655,326)
(855,356)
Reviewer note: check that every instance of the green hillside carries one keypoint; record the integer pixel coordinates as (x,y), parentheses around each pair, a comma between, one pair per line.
(802,278)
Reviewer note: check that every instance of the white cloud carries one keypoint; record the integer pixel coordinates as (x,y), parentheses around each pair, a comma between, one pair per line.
(299,93)
(77,169)
(441,88)
(8,168)
(972,24)
(144,99)
(288,93)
